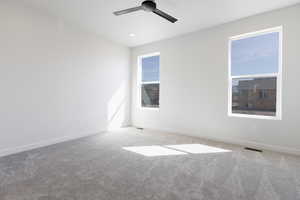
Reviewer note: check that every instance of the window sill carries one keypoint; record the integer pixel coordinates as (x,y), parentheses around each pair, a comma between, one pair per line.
(255,116)
(149,108)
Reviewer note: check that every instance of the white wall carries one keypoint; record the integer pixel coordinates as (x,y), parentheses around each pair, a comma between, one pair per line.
(194,75)
(56,82)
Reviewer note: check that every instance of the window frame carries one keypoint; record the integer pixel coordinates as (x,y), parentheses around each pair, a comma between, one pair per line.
(278,75)
(140,82)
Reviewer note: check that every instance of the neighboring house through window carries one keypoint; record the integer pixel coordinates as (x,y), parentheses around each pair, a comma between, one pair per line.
(149,80)
(255,68)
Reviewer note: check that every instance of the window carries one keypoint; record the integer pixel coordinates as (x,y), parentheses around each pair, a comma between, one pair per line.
(149,80)
(255,66)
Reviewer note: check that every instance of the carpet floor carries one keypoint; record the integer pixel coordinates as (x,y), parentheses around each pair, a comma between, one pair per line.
(130,164)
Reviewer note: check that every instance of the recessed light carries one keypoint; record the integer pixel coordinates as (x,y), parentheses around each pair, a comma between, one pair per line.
(131,34)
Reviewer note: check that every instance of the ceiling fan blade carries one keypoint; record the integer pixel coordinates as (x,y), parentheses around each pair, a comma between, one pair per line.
(130,10)
(165,15)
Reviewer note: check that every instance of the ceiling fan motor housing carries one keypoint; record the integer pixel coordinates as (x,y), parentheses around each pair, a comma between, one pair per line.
(149,6)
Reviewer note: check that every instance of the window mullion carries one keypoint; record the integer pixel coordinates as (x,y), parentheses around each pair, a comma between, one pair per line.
(255,76)
(148,83)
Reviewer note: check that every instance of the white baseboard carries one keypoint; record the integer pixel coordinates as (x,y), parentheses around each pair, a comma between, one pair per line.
(257,145)
(238,142)
(6,152)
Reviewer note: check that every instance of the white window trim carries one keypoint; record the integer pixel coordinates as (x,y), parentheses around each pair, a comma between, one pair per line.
(140,82)
(278,75)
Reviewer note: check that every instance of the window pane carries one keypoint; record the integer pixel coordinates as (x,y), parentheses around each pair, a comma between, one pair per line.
(150,69)
(150,95)
(255,55)
(254,96)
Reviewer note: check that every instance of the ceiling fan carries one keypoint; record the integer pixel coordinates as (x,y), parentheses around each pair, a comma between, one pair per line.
(148,6)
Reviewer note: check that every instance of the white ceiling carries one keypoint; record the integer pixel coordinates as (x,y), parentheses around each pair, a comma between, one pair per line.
(96,16)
